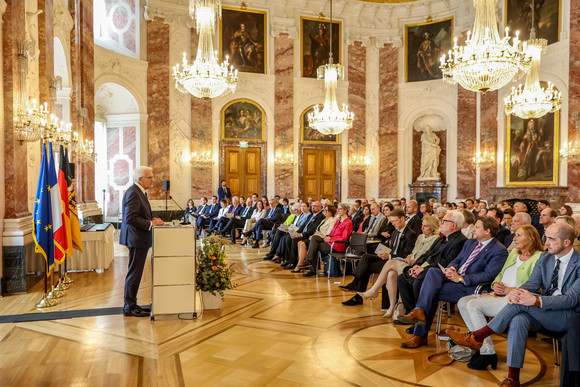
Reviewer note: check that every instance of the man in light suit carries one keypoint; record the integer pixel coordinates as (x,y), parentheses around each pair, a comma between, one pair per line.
(136,235)
(480,260)
(303,233)
(547,300)
(376,221)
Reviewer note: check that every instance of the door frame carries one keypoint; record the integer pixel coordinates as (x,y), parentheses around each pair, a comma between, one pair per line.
(251,144)
(338,165)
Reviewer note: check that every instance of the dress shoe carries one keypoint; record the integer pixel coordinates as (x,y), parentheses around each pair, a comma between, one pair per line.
(417,316)
(255,245)
(348,287)
(268,257)
(277,259)
(356,300)
(509,382)
(397,322)
(264,245)
(296,270)
(309,273)
(482,361)
(246,234)
(287,266)
(145,308)
(410,330)
(465,339)
(414,342)
(135,312)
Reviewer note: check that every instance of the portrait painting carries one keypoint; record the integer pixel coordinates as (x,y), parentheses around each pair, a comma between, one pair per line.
(243,119)
(532,151)
(425,43)
(311,135)
(547,16)
(243,39)
(315,44)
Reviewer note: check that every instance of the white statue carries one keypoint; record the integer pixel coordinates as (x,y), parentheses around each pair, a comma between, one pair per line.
(430,151)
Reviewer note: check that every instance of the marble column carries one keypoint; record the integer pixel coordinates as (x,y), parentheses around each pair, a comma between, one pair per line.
(356,104)
(574,97)
(46,49)
(388,119)
(158,74)
(16,178)
(83,90)
(466,143)
(488,140)
(201,135)
(283,111)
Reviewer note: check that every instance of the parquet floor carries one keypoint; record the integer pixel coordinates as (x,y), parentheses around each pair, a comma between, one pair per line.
(275,329)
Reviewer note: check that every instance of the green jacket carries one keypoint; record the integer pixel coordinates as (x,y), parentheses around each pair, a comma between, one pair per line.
(524,271)
(289,220)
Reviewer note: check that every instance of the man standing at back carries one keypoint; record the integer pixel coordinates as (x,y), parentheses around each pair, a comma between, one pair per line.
(136,235)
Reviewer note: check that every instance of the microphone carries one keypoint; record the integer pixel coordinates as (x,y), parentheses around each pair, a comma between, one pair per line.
(171,197)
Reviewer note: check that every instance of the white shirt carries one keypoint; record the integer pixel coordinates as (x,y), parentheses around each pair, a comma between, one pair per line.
(510,274)
(563,265)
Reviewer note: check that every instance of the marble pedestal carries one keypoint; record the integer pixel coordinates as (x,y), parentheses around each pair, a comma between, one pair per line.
(423,190)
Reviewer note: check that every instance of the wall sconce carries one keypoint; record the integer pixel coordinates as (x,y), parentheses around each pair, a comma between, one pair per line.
(571,151)
(284,159)
(358,161)
(202,159)
(483,159)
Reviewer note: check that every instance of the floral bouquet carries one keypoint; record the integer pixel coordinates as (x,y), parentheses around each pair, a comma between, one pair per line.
(213,274)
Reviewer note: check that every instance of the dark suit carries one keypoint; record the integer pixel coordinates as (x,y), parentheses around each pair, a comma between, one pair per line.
(245,214)
(508,239)
(486,265)
(136,235)
(211,211)
(224,193)
(234,210)
(415,224)
(371,263)
(442,251)
(570,371)
(266,223)
(278,245)
(502,234)
(307,230)
(554,313)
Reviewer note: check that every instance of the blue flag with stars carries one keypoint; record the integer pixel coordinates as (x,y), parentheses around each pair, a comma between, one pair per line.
(43,231)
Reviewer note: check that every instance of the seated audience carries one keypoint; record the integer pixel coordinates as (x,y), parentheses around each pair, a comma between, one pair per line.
(376,221)
(210,212)
(546,218)
(570,221)
(401,243)
(440,212)
(508,217)
(189,210)
(479,261)
(482,212)
(394,267)
(322,231)
(301,215)
(269,220)
(469,223)
(233,210)
(503,232)
(517,269)
(413,221)
(542,205)
(238,221)
(566,210)
(520,207)
(258,214)
(200,209)
(461,205)
(442,252)
(364,221)
(547,300)
(302,234)
(340,232)
(225,207)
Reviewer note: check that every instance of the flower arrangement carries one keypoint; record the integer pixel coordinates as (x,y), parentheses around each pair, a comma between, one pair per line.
(213,274)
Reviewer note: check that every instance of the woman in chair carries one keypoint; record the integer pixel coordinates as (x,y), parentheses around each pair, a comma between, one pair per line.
(365,220)
(258,213)
(394,267)
(516,271)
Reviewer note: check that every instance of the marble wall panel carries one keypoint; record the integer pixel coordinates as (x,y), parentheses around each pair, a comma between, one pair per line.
(357,105)
(466,142)
(574,97)
(283,111)
(46,49)
(388,118)
(201,136)
(488,140)
(442,156)
(158,82)
(87,83)
(15,170)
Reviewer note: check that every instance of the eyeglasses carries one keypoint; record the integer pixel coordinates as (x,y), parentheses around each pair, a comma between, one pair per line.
(446,220)
(148,177)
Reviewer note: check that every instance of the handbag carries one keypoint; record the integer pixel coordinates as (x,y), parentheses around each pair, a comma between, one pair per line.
(455,352)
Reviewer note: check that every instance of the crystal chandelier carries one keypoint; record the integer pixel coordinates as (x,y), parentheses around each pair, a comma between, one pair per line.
(284,159)
(532,100)
(203,158)
(331,120)
(483,159)
(205,78)
(486,62)
(571,151)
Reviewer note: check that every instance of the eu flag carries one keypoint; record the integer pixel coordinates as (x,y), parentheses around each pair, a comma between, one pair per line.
(42,227)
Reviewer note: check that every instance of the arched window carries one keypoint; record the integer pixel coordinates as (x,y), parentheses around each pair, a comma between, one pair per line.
(116,26)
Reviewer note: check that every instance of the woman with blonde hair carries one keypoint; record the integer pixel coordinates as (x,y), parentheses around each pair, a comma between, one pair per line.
(516,271)
(394,267)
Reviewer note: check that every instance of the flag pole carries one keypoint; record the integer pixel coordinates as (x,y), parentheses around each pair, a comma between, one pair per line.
(61,285)
(54,293)
(45,301)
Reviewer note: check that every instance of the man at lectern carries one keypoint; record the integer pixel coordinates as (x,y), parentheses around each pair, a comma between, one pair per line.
(136,235)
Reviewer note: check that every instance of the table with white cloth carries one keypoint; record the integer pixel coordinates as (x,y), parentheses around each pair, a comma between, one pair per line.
(98,251)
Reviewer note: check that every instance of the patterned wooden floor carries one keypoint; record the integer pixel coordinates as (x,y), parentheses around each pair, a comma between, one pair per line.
(276,328)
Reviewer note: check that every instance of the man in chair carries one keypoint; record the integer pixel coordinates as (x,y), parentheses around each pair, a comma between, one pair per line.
(479,261)
(546,301)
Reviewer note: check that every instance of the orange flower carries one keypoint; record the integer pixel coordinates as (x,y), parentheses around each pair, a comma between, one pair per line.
(214,268)
(213,257)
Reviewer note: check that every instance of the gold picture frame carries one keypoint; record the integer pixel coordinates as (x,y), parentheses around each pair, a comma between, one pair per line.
(308,62)
(518,18)
(426,65)
(309,135)
(247,46)
(249,126)
(532,151)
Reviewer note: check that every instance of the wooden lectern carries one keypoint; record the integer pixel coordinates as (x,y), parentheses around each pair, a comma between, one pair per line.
(173,271)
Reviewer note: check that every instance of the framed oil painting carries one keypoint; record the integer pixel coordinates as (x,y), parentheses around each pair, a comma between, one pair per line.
(243,39)
(547,17)
(315,44)
(312,136)
(532,151)
(424,44)
(244,120)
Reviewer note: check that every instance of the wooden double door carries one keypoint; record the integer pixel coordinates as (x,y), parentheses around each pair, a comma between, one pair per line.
(243,172)
(319,173)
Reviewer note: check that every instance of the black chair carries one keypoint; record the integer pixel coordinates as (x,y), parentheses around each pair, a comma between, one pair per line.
(556,337)
(353,254)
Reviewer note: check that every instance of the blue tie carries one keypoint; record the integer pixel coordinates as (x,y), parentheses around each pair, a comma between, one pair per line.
(554,283)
